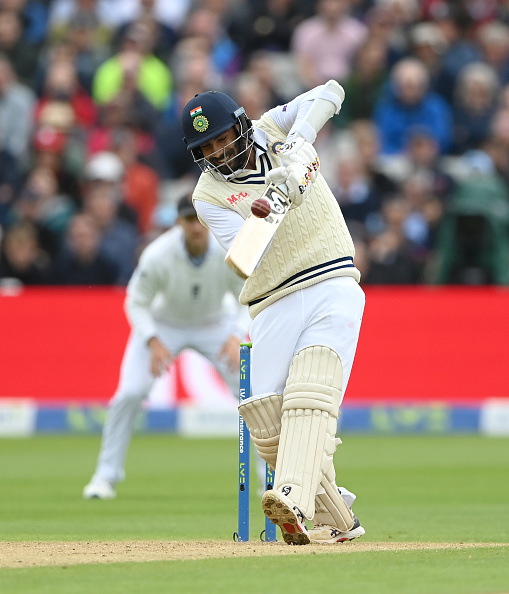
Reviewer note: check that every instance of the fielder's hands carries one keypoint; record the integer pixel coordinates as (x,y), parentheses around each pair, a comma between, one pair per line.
(231,352)
(300,168)
(160,357)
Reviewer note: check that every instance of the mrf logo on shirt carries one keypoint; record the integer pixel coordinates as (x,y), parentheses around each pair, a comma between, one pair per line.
(234,198)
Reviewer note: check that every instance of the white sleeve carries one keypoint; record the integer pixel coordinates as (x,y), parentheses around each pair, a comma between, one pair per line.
(243,319)
(297,117)
(223,222)
(141,290)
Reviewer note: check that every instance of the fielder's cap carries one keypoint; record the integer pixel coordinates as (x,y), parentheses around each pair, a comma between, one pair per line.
(104,166)
(185,207)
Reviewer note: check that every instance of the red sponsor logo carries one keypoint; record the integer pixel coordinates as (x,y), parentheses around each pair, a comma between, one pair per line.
(234,198)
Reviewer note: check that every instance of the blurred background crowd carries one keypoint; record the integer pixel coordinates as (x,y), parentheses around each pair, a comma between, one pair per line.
(92,161)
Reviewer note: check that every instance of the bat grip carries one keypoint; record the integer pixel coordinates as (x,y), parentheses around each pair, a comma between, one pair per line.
(283,188)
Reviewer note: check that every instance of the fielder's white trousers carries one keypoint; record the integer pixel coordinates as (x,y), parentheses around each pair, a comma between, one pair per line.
(326,314)
(136,381)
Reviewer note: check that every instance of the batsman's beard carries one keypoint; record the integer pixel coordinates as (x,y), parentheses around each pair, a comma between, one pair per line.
(232,158)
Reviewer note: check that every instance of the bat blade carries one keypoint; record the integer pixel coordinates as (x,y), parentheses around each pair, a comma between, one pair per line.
(256,234)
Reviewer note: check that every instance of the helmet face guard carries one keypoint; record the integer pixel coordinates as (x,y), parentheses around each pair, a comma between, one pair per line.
(209,115)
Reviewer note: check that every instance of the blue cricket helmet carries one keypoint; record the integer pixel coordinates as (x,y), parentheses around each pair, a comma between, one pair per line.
(207,116)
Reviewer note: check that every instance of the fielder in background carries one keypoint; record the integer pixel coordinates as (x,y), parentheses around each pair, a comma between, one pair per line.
(303,297)
(175,300)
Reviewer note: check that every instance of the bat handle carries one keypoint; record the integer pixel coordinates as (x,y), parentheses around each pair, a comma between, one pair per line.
(283,188)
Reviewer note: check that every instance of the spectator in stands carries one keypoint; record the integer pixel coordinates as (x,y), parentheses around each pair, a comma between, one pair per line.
(424,214)
(100,12)
(366,139)
(21,53)
(61,84)
(456,26)
(324,45)
(128,109)
(164,37)
(265,25)
(423,158)
(206,24)
(50,212)
(34,15)
(10,179)
(105,169)
(359,200)
(87,49)
(82,262)
(49,151)
(407,103)
(194,73)
(428,44)
(170,14)
(365,83)
(140,182)
(497,151)
(383,28)
(252,95)
(474,106)
(391,255)
(102,200)
(263,66)
(493,40)
(21,257)
(134,66)
(17,103)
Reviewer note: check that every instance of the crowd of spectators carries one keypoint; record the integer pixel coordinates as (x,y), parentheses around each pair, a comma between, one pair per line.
(92,161)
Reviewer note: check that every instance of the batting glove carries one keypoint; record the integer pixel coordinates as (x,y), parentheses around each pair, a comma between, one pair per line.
(297,178)
(300,151)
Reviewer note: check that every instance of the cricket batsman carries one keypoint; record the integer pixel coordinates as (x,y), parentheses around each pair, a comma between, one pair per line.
(303,297)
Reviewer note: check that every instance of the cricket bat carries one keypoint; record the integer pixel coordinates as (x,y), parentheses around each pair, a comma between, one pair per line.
(255,235)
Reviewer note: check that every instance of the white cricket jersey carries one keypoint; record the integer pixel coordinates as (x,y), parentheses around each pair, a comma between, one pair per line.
(167,287)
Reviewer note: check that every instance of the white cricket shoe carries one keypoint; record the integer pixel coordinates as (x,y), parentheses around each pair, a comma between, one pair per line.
(322,533)
(99,489)
(281,511)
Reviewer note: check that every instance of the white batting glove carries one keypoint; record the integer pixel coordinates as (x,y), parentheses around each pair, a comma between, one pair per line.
(297,178)
(300,168)
(300,151)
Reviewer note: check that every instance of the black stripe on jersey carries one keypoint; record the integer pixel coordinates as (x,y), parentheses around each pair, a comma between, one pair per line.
(309,273)
(258,177)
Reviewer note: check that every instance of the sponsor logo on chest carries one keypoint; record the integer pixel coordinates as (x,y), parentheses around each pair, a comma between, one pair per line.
(235,198)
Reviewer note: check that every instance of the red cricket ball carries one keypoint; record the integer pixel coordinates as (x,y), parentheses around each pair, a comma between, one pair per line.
(261,208)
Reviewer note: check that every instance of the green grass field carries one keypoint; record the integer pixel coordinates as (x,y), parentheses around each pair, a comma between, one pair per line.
(416,489)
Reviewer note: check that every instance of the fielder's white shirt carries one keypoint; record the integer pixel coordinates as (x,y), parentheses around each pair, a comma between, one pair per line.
(167,287)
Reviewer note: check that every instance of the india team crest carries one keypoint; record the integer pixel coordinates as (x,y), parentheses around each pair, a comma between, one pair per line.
(200,123)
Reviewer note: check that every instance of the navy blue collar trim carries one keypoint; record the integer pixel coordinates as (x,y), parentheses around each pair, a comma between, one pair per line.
(257,177)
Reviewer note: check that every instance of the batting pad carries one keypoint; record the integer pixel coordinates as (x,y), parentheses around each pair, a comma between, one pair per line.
(262,415)
(308,426)
(330,507)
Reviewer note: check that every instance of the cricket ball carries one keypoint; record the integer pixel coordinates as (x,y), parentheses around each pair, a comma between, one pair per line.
(260,208)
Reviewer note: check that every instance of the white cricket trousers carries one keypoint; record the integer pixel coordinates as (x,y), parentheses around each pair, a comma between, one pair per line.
(136,381)
(326,314)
